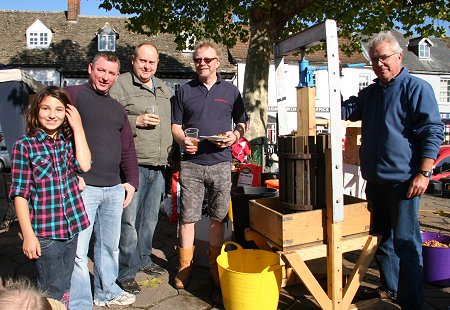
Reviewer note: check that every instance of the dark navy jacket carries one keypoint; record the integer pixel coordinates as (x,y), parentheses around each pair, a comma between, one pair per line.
(400,126)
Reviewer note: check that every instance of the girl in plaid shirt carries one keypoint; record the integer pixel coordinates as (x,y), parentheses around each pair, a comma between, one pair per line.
(45,190)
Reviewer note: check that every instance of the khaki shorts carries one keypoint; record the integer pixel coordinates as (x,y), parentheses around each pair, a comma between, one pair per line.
(195,179)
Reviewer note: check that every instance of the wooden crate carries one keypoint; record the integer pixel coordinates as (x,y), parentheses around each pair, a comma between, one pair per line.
(295,229)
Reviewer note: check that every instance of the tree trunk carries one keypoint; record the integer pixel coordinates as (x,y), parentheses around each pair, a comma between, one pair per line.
(262,36)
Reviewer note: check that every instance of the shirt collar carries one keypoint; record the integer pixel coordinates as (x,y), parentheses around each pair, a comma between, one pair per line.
(219,79)
(154,82)
(41,136)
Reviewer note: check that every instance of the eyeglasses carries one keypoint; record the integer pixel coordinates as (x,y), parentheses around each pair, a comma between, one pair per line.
(381,58)
(206,60)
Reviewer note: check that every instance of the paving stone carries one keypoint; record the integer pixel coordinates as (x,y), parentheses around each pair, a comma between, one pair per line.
(201,295)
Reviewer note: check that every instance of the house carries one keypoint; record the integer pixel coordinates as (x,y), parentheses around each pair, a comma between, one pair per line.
(56,47)
(426,58)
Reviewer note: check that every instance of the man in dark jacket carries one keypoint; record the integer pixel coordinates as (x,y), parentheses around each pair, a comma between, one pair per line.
(401,136)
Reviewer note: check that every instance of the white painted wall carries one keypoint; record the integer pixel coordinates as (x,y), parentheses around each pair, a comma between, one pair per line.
(349,84)
(46,76)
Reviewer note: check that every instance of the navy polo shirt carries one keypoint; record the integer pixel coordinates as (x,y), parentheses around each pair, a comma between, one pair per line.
(213,112)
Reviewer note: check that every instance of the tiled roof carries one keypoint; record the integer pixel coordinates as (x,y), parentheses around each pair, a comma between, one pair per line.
(439,61)
(239,52)
(75,43)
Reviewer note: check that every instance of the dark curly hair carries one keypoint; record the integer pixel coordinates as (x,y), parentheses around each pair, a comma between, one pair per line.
(32,113)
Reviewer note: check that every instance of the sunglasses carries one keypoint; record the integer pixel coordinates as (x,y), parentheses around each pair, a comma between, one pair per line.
(206,60)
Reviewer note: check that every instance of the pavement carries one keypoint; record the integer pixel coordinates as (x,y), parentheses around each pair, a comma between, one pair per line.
(158,293)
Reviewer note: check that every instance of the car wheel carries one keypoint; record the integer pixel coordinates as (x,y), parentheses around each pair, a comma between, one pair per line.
(434,188)
(2,165)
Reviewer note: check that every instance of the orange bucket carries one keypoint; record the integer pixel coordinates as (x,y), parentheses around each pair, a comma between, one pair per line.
(273,183)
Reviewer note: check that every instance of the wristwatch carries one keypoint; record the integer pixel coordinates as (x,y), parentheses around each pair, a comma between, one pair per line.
(425,173)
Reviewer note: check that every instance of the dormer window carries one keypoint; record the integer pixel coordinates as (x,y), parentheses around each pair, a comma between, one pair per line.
(38,35)
(421,47)
(107,39)
(424,50)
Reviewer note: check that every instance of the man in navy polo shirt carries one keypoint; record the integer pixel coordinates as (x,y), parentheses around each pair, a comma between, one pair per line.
(211,105)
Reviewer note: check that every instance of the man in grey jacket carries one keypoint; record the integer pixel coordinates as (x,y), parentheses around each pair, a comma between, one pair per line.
(147,102)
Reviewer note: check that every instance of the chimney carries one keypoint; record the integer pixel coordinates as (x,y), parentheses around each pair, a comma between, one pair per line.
(73,10)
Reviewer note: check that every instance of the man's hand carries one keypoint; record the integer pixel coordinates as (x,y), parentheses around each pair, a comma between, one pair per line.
(147,120)
(129,192)
(228,141)
(418,186)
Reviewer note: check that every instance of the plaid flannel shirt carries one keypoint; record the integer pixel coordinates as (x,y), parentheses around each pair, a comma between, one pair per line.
(44,173)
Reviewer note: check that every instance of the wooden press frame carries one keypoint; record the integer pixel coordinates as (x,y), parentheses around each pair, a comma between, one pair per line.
(337,296)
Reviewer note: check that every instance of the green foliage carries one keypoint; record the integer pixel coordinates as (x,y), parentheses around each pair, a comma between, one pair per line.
(263,22)
(226,21)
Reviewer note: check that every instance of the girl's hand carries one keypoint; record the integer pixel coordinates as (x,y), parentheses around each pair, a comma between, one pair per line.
(73,117)
(31,247)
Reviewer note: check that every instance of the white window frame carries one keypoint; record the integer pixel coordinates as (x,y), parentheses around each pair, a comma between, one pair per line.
(106,42)
(363,80)
(424,50)
(271,133)
(444,90)
(38,35)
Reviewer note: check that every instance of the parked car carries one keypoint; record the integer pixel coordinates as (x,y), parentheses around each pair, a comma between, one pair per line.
(441,167)
(441,171)
(5,162)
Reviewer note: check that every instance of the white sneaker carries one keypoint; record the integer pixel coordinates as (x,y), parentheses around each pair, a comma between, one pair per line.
(99,303)
(123,299)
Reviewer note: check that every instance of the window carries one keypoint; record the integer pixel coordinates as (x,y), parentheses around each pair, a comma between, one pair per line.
(364,81)
(47,83)
(271,133)
(37,39)
(107,43)
(424,50)
(107,39)
(176,87)
(444,92)
(38,35)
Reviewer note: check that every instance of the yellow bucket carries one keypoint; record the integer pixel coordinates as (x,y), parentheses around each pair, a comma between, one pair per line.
(249,279)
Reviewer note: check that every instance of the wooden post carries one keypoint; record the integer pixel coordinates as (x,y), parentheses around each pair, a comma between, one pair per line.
(334,244)
(306,111)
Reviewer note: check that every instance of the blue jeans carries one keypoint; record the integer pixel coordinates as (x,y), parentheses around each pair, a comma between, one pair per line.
(55,266)
(399,256)
(104,207)
(139,220)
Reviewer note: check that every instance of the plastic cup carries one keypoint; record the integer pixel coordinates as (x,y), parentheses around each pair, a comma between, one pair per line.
(152,110)
(192,133)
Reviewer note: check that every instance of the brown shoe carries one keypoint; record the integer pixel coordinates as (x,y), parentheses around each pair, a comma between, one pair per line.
(185,257)
(213,253)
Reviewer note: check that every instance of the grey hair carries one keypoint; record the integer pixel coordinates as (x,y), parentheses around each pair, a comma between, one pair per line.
(385,36)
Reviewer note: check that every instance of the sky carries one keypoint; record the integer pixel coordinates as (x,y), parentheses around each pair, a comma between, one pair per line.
(87,7)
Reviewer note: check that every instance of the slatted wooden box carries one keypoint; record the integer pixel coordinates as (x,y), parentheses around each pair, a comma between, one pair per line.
(295,229)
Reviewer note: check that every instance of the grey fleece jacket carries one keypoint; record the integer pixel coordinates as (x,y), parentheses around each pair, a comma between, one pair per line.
(153,145)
